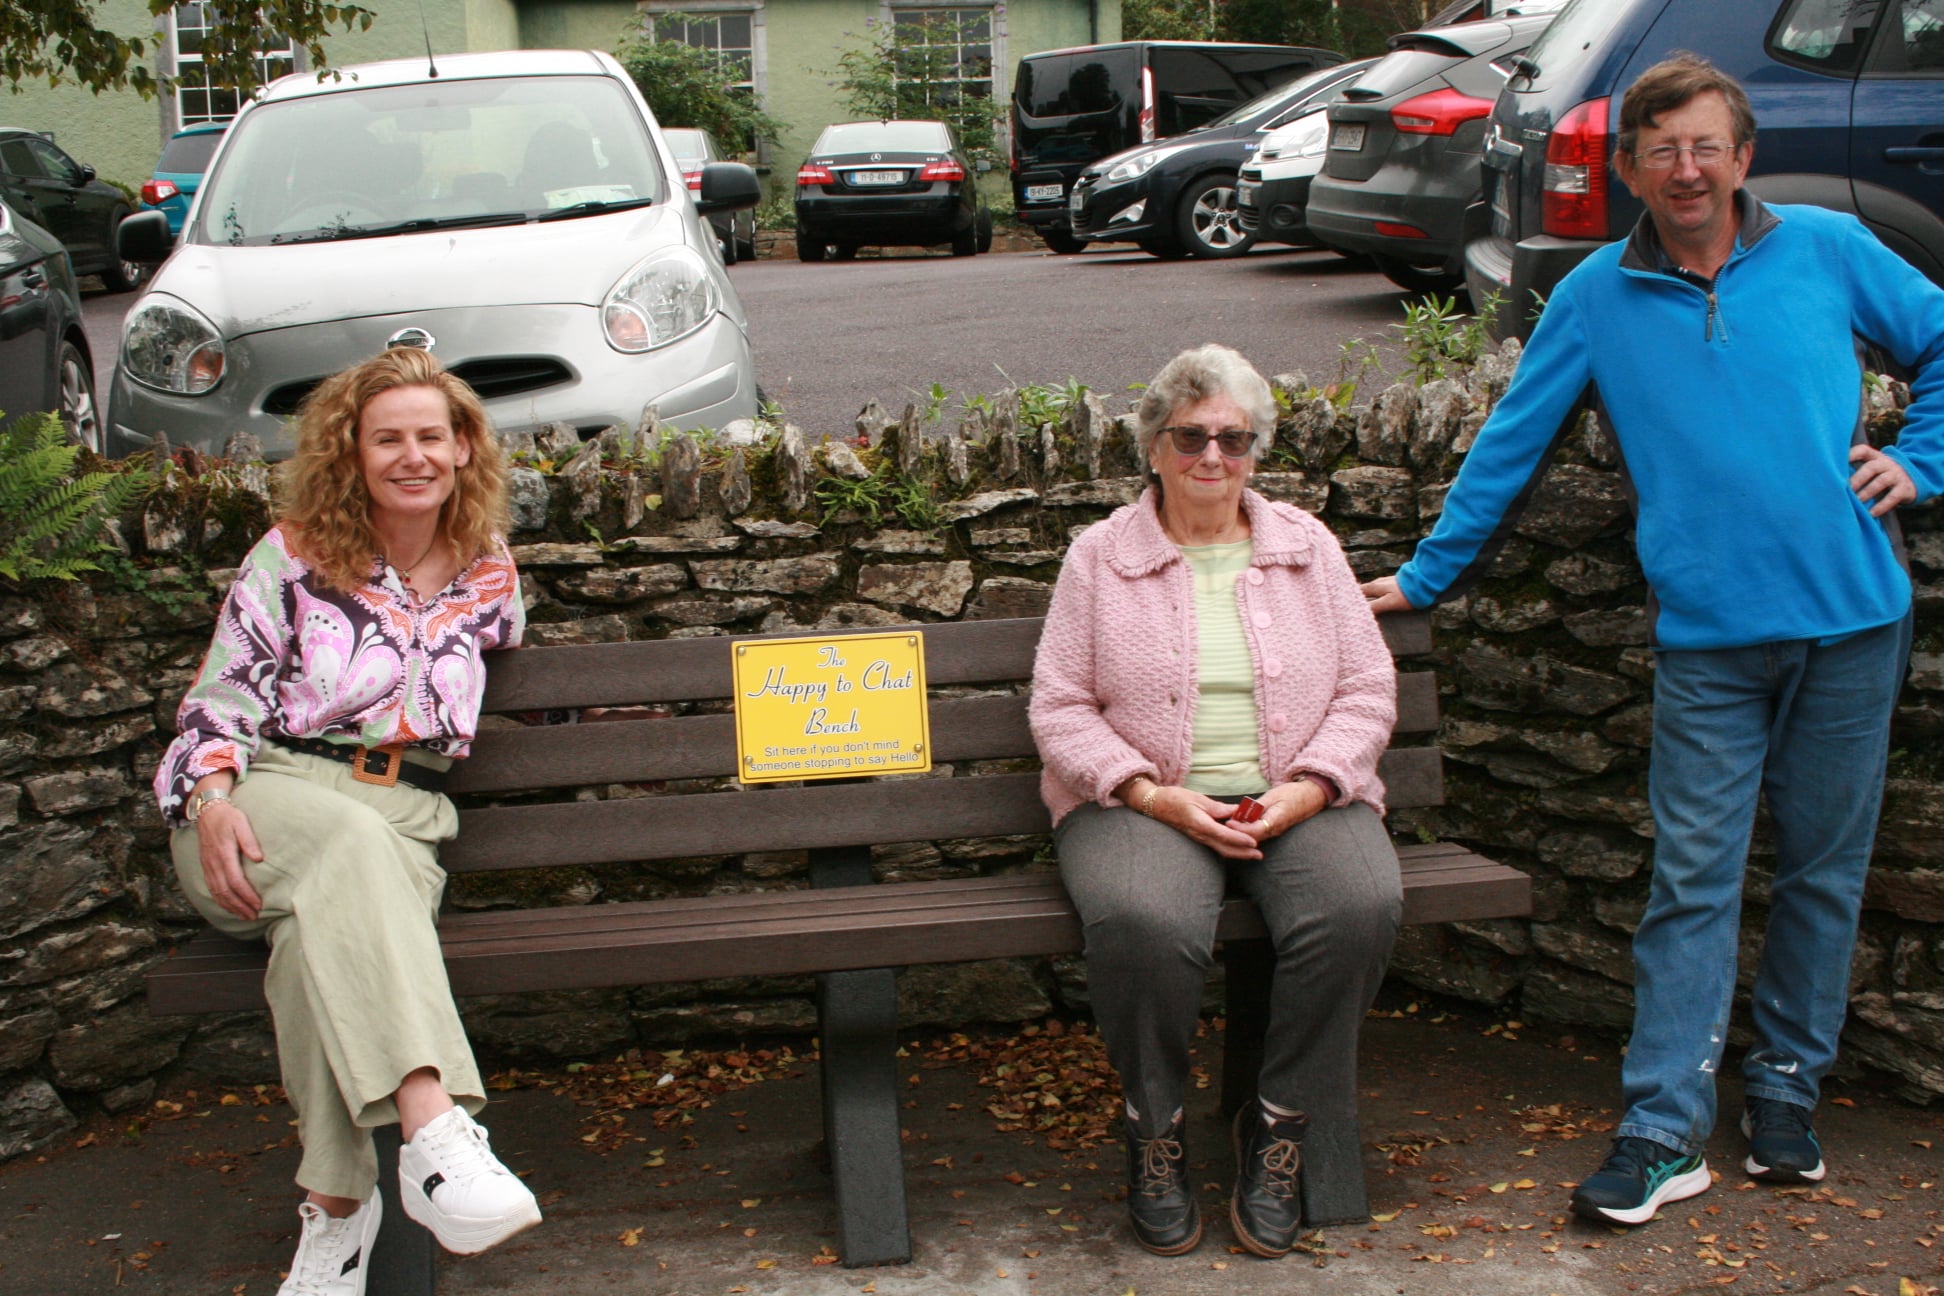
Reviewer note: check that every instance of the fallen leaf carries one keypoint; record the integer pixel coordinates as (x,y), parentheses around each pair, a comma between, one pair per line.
(766,1264)
(1843,1102)
(751,1203)
(631,1237)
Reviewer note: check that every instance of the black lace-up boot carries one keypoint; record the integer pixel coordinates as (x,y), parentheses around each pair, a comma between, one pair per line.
(1160,1203)
(1267,1208)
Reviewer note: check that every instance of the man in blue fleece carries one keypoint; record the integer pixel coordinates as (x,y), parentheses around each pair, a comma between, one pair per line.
(1723,340)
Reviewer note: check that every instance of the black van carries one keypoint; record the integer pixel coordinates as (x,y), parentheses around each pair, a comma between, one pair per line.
(1073,106)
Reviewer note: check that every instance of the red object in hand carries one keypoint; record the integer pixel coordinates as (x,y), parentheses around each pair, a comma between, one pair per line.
(1248,810)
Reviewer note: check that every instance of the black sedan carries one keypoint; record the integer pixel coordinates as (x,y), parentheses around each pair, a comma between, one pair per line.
(44,360)
(1177,195)
(61,195)
(1401,175)
(888,182)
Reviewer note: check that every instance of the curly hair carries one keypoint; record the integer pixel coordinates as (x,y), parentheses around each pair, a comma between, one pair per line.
(325,508)
(1195,375)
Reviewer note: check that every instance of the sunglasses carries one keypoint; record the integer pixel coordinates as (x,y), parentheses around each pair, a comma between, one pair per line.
(1234,443)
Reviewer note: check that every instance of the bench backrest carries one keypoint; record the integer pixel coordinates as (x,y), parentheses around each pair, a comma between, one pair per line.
(985,659)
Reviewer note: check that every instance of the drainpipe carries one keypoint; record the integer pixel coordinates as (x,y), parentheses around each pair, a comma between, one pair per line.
(1093,22)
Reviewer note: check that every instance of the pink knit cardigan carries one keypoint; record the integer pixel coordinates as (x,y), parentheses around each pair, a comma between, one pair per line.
(1115,681)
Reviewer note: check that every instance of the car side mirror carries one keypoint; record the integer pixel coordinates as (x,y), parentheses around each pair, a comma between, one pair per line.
(87,174)
(728,186)
(144,238)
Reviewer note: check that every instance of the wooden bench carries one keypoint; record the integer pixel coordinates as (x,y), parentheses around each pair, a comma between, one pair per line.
(853,934)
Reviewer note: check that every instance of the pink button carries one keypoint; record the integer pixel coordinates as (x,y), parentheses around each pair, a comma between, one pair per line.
(1271,667)
(1278,722)
(1262,619)
(1255,576)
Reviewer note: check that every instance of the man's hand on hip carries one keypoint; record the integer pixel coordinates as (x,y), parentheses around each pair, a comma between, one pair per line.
(1384,595)
(1878,481)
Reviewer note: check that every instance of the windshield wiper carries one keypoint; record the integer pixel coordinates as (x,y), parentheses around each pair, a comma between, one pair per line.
(589,208)
(416,225)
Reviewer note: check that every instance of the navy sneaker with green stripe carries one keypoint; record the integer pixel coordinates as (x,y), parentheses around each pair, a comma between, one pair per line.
(1782,1146)
(1636,1179)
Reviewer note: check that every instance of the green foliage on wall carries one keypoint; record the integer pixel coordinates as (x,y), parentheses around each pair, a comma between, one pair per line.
(51,521)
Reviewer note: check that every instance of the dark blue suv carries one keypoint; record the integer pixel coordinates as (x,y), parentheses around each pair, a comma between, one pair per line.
(1849,110)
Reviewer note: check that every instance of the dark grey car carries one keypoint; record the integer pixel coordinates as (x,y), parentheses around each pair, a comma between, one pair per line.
(48,187)
(44,359)
(1402,167)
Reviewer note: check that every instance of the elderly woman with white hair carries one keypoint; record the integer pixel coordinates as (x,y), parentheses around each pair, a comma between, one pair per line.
(1210,699)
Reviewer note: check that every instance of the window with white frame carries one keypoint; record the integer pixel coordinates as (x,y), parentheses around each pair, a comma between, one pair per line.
(197,100)
(731,37)
(951,48)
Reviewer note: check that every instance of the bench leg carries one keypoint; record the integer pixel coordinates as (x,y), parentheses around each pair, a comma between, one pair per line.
(404,1261)
(858,1023)
(1333,1172)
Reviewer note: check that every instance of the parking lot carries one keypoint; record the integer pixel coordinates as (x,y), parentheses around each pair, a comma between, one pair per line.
(828,337)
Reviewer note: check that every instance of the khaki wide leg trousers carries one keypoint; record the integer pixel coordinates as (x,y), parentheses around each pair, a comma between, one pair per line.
(351,883)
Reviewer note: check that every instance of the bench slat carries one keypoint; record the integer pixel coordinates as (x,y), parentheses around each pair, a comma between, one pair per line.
(690,670)
(682,747)
(786,933)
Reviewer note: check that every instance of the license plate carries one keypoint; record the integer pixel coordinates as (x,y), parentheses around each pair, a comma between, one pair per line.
(1044,193)
(877,177)
(1347,136)
(1076,201)
(1245,192)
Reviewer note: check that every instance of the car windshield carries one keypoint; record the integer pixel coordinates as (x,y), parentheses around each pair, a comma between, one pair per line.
(189,154)
(1287,92)
(397,159)
(883,137)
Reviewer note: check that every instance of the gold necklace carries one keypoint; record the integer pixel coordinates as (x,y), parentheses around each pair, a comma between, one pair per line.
(405,573)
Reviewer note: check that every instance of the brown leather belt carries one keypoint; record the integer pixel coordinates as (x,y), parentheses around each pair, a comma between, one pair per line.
(378,766)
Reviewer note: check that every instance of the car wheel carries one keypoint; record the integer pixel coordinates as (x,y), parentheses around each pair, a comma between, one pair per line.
(746,247)
(1165,248)
(965,242)
(1208,223)
(1065,242)
(121,276)
(1427,278)
(985,230)
(843,252)
(79,412)
(809,247)
(728,246)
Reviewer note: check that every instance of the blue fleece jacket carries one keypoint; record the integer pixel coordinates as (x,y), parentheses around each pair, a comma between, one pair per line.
(1734,416)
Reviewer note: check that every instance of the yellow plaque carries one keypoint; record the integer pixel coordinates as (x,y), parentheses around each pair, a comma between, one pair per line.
(831,708)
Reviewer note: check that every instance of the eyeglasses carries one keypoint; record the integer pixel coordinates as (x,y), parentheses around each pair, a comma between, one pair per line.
(1234,443)
(1706,154)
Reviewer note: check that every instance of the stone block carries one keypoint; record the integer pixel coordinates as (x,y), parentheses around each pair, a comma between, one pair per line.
(122,1044)
(1511,618)
(73,791)
(1572,505)
(903,543)
(707,611)
(1384,426)
(955,994)
(987,502)
(556,555)
(35,653)
(1108,492)
(622,584)
(1373,492)
(9,811)
(1559,994)
(581,477)
(1440,410)
(935,587)
(1306,492)
(839,460)
(589,630)
(81,691)
(1001,597)
(51,873)
(1588,948)
(528,498)
(1631,726)
(733,487)
(732,1019)
(675,544)
(1608,628)
(31,1116)
(23,1035)
(231,1048)
(1927,671)
(1433,958)
(88,740)
(569,1025)
(1593,855)
(1585,575)
(1315,433)
(805,575)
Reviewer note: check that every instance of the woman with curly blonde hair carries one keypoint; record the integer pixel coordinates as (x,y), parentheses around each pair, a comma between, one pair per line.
(305,790)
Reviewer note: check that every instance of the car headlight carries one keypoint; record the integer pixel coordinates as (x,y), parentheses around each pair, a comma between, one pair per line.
(171,346)
(1136,167)
(1311,140)
(664,297)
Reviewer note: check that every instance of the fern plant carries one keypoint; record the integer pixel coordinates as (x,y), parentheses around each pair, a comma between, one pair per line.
(51,521)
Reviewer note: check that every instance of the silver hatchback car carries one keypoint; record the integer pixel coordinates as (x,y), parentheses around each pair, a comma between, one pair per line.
(518,214)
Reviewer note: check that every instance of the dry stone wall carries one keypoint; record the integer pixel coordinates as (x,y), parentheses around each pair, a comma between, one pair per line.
(1545,670)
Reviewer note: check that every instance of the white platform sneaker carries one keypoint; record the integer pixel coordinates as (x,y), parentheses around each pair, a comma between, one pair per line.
(333,1255)
(451,1182)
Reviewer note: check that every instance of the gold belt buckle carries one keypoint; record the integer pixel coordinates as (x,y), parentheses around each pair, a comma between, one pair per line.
(388,777)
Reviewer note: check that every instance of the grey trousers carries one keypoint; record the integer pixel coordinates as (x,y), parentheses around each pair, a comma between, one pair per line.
(351,883)
(1149,897)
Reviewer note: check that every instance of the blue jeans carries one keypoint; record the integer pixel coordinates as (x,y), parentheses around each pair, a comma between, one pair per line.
(1808,726)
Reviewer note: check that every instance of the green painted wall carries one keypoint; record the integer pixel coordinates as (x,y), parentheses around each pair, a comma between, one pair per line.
(574,24)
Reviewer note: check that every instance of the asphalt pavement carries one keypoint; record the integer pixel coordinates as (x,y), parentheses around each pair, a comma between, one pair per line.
(1474,1129)
(830,336)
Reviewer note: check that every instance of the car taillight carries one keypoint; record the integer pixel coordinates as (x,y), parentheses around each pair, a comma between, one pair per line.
(1393,229)
(812,174)
(157,192)
(693,179)
(943,170)
(1441,112)
(1573,202)
(1147,105)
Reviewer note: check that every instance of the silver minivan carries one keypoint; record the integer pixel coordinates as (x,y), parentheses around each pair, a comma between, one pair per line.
(518,214)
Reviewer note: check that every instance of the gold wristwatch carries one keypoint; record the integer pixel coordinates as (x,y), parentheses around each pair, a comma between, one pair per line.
(201,801)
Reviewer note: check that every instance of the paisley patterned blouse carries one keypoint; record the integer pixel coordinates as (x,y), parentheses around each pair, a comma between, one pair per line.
(293,658)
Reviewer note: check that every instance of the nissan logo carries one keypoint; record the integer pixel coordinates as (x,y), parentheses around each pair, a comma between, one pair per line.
(411,337)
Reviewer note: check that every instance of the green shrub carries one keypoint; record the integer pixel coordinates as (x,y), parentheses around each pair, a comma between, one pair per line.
(51,521)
